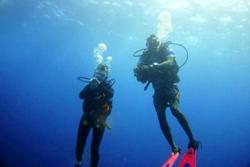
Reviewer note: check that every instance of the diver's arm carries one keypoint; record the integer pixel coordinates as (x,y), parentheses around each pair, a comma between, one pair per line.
(107,90)
(165,65)
(91,90)
(86,93)
(82,94)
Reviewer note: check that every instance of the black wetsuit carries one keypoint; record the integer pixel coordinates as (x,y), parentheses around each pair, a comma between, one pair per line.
(166,92)
(97,106)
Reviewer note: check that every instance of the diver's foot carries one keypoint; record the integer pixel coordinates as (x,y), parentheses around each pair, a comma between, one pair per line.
(176,149)
(78,164)
(194,144)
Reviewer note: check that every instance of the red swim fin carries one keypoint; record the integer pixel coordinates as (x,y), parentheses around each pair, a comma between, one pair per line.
(171,160)
(189,159)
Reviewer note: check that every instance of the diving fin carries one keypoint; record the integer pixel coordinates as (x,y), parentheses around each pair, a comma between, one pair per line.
(188,159)
(171,160)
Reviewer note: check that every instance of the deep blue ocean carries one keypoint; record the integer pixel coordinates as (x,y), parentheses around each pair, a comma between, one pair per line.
(46,44)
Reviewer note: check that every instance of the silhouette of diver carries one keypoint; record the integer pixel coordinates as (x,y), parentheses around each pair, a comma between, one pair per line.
(97,105)
(157,65)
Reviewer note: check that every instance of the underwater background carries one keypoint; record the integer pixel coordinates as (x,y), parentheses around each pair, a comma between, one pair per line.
(46,44)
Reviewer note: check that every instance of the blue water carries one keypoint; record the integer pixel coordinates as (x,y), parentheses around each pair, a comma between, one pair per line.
(45,45)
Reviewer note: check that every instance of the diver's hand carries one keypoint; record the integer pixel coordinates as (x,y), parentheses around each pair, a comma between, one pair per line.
(140,72)
(153,66)
(94,83)
(141,69)
(149,68)
(155,69)
(144,73)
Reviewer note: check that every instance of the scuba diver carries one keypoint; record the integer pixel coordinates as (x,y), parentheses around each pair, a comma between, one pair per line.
(157,65)
(97,105)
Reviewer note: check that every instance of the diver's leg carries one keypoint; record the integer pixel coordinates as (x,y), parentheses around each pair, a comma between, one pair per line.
(174,107)
(160,109)
(96,141)
(83,132)
(184,123)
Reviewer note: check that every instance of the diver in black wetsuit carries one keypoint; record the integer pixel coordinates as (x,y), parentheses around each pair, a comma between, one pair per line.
(157,65)
(97,105)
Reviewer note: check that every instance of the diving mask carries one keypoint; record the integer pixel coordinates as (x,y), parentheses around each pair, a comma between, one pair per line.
(101,72)
(152,42)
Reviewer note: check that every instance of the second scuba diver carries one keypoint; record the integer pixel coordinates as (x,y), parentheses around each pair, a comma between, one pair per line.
(157,65)
(97,105)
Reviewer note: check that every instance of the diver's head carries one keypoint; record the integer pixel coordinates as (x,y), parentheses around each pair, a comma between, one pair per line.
(101,72)
(152,42)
